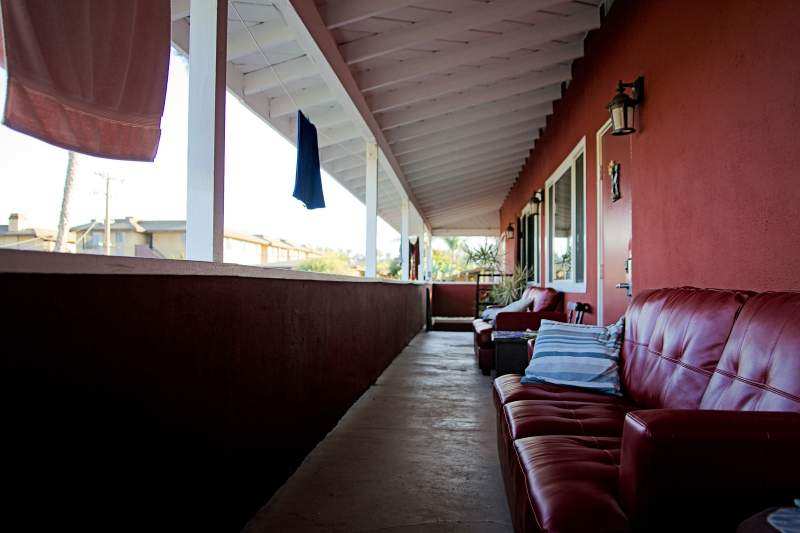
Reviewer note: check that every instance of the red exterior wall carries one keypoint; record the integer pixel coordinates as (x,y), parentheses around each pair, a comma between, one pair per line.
(716,195)
(135,402)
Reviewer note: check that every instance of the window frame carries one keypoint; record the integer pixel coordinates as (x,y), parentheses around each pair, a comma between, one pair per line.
(531,210)
(569,163)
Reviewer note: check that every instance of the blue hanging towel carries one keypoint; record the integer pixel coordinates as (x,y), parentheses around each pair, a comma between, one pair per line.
(307,180)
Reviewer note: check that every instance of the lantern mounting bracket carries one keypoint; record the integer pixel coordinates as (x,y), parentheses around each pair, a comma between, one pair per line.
(636,87)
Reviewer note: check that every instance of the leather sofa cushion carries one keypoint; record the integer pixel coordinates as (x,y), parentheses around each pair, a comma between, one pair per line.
(572,482)
(760,367)
(673,341)
(545,299)
(507,388)
(483,333)
(531,418)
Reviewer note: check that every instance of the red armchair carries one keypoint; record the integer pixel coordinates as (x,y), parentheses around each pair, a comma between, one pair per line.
(546,304)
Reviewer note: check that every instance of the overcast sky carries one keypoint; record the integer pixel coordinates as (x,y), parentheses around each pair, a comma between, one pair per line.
(259,179)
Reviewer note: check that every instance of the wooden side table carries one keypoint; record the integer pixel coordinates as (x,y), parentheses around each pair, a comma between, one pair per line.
(511,351)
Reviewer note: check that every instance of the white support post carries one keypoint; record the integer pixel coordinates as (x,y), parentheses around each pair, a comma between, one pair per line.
(429,255)
(404,251)
(206,139)
(371,199)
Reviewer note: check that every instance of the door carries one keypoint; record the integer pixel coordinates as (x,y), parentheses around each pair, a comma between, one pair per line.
(614,224)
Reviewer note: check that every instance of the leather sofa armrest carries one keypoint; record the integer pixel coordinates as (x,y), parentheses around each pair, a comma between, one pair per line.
(525,320)
(720,466)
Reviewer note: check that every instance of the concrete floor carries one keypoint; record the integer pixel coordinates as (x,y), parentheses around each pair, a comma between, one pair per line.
(416,453)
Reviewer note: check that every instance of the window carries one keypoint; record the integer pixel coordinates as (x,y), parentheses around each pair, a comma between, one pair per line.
(565,198)
(529,240)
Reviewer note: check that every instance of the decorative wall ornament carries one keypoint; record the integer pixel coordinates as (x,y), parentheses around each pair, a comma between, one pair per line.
(613,173)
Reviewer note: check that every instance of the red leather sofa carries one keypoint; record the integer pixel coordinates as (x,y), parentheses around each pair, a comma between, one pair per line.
(547,304)
(707,434)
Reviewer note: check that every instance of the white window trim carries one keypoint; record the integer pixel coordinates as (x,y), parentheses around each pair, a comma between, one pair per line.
(568,163)
(530,209)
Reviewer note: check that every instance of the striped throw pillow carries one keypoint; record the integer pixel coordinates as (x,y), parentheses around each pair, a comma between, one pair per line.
(577,356)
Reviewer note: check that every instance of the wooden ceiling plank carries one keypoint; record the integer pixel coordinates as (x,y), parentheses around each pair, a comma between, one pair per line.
(478,50)
(545,86)
(452,124)
(346,12)
(473,16)
(477,76)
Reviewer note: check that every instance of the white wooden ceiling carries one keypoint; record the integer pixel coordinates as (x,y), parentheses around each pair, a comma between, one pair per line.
(458,89)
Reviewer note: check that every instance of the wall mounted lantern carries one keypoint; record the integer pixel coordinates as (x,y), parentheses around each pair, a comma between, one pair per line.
(623,106)
(538,197)
(510,231)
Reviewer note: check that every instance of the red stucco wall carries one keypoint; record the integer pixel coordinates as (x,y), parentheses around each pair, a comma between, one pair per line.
(716,199)
(155,402)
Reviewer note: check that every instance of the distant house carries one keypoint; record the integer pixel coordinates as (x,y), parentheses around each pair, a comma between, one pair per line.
(18,236)
(167,239)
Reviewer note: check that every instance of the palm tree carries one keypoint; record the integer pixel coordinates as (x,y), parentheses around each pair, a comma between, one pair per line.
(453,245)
(63,219)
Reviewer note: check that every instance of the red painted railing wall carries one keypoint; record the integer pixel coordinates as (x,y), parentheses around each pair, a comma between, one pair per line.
(157,402)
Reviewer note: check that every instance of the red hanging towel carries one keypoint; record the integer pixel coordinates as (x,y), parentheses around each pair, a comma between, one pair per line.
(88,75)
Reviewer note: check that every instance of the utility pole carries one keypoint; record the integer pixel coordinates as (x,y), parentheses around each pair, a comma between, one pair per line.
(107,223)
(63,219)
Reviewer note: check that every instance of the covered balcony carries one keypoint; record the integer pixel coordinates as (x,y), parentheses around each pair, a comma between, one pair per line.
(634,163)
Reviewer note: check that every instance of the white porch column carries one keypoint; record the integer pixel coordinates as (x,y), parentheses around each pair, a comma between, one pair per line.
(404,238)
(429,255)
(371,199)
(206,139)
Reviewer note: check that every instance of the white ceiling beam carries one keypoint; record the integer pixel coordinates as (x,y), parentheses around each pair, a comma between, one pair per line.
(487,130)
(326,117)
(345,163)
(453,124)
(498,46)
(461,81)
(466,158)
(467,209)
(466,232)
(342,13)
(493,169)
(441,197)
(462,214)
(468,166)
(339,151)
(475,15)
(528,130)
(268,34)
(444,201)
(288,71)
(449,184)
(336,135)
(179,9)
(284,105)
(542,87)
